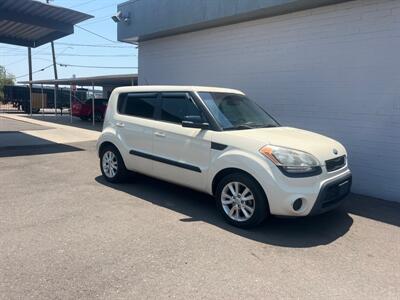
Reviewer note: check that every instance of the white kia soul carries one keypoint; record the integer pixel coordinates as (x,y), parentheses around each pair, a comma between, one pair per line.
(217,141)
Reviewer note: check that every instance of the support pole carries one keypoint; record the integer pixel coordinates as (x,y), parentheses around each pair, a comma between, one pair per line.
(93,120)
(55,74)
(55,99)
(42,103)
(70,104)
(61,93)
(30,79)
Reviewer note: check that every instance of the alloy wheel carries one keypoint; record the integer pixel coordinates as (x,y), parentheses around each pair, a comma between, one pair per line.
(110,164)
(238,201)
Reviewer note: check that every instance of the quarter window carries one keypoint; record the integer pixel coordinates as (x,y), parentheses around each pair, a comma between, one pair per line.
(138,105)
(175,107)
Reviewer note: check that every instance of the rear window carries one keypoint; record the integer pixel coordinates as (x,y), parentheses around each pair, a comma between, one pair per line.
(139,105)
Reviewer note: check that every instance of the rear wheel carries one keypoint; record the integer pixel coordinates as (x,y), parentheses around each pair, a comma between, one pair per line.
(112,165)
(241,200)
(98,116)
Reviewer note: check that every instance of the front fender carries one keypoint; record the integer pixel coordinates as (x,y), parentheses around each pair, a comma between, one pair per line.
(253,164)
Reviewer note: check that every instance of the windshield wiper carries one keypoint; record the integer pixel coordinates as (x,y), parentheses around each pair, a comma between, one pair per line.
(241,126)
(250,125)
(258,125)
(270,126)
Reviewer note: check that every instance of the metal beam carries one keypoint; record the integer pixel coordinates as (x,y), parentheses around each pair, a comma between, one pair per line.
(33,44)
(104,80)
(18,42)
(34,20)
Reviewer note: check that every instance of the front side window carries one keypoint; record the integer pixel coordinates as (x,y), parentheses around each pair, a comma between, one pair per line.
(174,107)
(138,105)
(235,111)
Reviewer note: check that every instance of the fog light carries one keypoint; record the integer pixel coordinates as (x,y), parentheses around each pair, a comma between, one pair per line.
(297,204)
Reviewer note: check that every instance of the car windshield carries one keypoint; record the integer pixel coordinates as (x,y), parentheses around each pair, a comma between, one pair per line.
(235,111)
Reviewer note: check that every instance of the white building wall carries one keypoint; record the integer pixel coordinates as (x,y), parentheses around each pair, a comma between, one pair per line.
(333,70)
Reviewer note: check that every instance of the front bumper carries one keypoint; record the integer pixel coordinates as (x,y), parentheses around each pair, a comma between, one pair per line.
(331,195)
(318,193)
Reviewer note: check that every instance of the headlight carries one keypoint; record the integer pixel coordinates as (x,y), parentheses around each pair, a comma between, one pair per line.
(292,162)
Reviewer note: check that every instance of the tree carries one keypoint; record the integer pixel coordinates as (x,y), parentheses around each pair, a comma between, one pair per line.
(5,79)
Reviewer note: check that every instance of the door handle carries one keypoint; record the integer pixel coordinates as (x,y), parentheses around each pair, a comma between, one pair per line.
(159,134)
(120,124)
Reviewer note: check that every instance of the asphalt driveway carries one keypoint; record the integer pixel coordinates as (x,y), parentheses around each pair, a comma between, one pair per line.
(66,234)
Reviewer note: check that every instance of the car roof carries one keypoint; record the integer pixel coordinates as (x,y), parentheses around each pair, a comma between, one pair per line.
(175,88)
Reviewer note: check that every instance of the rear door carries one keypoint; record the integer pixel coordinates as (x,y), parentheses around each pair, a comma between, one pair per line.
(134,125)
(181,154)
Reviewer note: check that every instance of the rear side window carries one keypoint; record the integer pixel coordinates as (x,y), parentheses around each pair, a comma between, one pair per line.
(175,106)
(141,105)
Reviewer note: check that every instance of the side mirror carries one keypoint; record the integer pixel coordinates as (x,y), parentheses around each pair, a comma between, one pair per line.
(194,122)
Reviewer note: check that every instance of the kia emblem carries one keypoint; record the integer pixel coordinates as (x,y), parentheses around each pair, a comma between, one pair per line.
(335,151)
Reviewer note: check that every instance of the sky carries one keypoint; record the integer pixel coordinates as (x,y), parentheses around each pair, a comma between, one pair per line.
(105,54)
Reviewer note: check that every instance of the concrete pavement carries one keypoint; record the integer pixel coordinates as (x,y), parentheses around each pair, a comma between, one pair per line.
(67,234)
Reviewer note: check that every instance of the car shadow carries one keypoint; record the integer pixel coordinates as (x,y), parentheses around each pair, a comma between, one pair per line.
(199,207)
(372,208)
(15,143)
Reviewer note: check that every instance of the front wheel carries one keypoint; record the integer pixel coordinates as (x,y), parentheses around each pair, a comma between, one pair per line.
(241,200)
(112,165)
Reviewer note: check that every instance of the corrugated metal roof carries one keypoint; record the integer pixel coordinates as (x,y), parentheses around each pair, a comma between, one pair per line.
(33,23)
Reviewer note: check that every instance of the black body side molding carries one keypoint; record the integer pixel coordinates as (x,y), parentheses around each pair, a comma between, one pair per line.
(166,161)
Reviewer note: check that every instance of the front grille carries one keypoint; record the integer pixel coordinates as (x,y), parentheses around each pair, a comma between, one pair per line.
(335,163)
(336,192)
(332,194)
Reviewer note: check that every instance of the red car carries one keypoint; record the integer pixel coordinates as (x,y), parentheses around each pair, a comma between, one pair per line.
(83,110)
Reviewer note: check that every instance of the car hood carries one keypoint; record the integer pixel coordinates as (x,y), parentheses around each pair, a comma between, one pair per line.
(322,147)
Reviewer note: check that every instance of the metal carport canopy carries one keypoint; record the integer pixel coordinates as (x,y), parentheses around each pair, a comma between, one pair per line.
(32,23)
(105,80)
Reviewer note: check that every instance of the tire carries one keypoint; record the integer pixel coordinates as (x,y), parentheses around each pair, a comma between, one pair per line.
(112,165)
(85,118)
(98,116)
(248,208)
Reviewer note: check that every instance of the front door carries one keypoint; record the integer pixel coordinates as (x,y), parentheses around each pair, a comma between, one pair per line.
(182,154)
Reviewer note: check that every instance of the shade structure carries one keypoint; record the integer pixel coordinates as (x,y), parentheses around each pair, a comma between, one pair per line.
(103,80)
(32,23)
